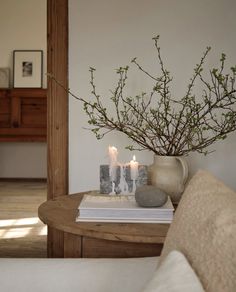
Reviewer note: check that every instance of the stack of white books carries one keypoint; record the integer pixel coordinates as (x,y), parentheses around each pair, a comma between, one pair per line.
(106,208)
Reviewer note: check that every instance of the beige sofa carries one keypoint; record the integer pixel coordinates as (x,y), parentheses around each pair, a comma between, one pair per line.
(199,254)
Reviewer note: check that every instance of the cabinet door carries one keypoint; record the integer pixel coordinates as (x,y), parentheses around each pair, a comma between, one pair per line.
(23,115)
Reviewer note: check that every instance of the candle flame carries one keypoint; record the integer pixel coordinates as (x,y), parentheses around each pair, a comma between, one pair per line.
(112,148)
(134,158)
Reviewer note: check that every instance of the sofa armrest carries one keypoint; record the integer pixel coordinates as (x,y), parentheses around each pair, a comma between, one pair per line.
(204,230)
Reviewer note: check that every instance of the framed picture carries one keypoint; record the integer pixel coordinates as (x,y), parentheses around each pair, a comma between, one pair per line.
(27,68)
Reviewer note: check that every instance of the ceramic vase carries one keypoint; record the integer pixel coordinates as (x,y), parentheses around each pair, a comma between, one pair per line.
(169,173)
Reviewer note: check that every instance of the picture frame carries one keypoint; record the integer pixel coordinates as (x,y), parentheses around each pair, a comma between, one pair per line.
(27,68)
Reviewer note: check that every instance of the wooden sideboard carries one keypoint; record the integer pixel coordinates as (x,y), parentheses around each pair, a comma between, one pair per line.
(23,115)
(66,238)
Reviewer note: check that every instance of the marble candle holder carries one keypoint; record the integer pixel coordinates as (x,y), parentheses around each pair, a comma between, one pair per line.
(123,182)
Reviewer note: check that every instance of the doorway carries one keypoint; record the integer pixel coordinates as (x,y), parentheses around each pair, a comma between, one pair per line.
(57,110)
(23,156)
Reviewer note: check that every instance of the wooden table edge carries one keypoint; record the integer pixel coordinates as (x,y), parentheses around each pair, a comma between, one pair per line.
(87,230)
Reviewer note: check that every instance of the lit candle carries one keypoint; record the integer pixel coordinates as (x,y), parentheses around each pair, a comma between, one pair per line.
(112,162)
(134,169)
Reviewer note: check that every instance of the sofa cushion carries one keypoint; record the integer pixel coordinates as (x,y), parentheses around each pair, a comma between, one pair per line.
(174,275)
(204,230)
(76,275)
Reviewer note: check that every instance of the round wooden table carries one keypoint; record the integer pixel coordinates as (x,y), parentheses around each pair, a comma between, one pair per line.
(67,238)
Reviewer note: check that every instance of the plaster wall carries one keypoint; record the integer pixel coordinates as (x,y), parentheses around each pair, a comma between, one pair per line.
(107,34)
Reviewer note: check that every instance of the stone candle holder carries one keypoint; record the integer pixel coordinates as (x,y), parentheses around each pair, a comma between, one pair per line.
(123,182)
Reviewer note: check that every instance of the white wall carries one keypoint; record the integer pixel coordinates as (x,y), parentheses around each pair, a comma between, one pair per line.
(22,27)
(107,34)
(28,161)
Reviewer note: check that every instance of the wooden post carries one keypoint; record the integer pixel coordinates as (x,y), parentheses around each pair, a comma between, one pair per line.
(57,130)
(57,115)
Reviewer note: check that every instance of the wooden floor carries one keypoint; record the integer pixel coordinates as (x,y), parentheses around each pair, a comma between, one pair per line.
(22,234)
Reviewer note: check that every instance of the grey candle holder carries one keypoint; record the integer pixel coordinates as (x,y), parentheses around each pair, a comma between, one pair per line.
(123,182)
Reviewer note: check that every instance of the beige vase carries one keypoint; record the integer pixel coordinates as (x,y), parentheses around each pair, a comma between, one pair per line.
(169,173)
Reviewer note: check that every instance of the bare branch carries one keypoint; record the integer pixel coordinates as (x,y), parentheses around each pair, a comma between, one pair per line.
(156,121)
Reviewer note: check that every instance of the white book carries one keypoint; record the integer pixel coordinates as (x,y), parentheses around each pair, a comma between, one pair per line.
(105,208)
(122,220)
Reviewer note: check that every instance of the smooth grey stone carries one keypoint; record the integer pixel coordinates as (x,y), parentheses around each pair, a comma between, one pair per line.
(150,196)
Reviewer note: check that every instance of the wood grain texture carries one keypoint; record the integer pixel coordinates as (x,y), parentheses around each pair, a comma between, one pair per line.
(23,115)
(60,213)
(100,248)
(98,239)
(57,113)
(55,243)
(28,92)
(72,245)
(15,112)
(57,130)
(5,109)
(22,234)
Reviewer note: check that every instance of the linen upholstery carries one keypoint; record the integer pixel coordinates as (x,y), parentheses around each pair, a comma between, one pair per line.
(76,275)
(204,230)
(174,275)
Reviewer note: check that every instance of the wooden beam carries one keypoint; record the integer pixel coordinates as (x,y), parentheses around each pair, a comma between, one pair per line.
(57,115)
